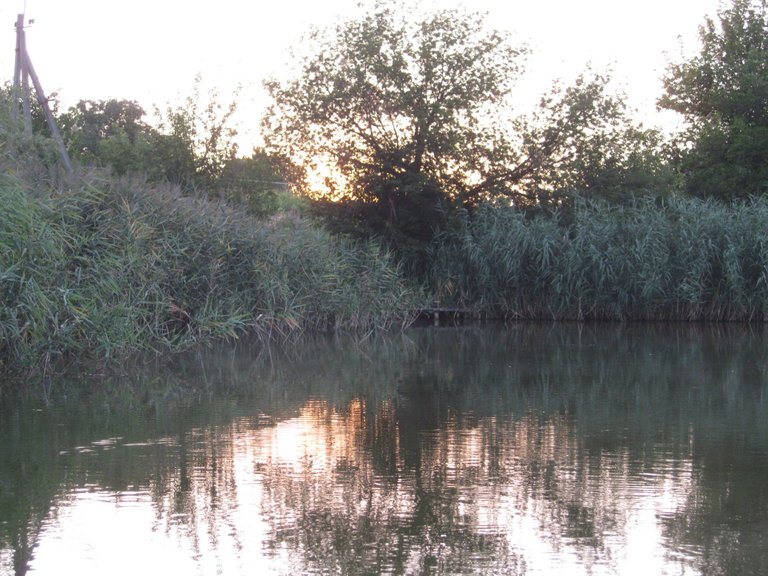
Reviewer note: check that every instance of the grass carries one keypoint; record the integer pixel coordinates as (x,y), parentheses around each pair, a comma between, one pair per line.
(114,265)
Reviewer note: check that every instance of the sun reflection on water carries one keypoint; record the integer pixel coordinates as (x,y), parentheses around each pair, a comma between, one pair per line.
(303,494)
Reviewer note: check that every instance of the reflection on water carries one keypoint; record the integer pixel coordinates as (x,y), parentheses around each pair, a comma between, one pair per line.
(531,449)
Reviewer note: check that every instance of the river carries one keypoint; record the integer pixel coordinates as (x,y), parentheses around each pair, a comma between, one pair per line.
(530,449)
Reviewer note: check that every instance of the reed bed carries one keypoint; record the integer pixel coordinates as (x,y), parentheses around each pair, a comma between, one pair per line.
(117,264)
(676,259)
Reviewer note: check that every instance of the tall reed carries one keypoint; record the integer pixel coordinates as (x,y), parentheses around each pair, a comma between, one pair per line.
(116,264)
(683,259)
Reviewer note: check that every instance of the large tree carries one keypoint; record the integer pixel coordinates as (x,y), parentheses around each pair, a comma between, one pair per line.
(722,92)
(399,109)
(416,116)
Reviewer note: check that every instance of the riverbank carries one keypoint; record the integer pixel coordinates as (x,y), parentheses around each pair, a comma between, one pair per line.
(116,265)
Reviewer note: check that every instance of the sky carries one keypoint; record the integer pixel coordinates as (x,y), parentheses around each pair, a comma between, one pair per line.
(152,50)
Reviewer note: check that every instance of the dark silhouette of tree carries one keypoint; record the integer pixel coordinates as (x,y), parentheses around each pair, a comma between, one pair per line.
(416,116)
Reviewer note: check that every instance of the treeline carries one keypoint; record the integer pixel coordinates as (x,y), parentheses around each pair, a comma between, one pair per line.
(191,145)
(417,114)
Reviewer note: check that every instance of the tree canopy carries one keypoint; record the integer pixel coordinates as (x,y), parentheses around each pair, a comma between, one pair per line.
(383,96)
(108,133)
(416,114)
(197,138)
(190,144)
(722,92)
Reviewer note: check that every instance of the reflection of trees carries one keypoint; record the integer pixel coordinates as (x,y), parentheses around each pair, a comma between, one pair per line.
(436,452)
(163,417)
(548,422)
(344,515)
(458,508)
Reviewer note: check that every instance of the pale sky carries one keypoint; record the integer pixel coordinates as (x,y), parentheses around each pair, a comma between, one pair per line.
(151,50)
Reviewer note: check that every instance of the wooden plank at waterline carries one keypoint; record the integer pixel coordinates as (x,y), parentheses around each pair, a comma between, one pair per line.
(435,316)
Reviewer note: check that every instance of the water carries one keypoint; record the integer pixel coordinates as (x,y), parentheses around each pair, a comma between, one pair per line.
(532,449)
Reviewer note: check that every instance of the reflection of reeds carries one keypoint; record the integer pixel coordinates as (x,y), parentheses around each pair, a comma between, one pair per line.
(549,368)
(569,425)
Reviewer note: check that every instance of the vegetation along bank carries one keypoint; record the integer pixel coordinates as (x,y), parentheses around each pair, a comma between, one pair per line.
(438,192)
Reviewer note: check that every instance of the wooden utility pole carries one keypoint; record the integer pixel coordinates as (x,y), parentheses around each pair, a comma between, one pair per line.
(21,76)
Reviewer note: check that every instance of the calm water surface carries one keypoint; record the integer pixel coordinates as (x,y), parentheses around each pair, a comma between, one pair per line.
(533,449)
